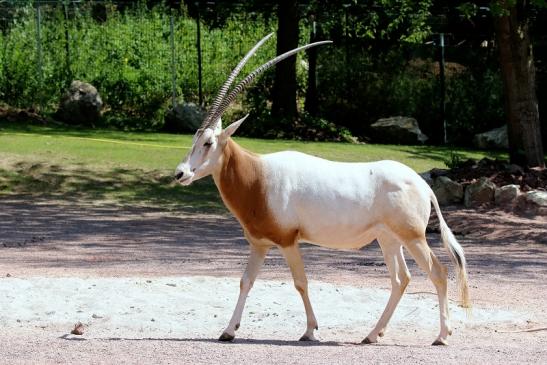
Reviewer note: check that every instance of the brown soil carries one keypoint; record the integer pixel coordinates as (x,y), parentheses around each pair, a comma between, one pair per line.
(507,258)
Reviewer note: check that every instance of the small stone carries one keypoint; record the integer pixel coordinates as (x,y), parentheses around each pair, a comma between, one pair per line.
(537,197)
(427,177)
(506,195)
(435,172)
(96,316)
(533,202)
(78,329)
(447,191)
(480,192)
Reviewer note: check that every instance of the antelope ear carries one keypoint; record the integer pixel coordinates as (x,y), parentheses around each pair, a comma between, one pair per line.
(218,127)
(229,130)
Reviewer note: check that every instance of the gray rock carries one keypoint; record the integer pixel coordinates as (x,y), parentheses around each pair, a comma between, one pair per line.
(185,117)
(534,202)
(427,177)
(398,130)
(537,201)
(506,195)
(480,192)
(81,104)
(537,197)
(496,138)
(447,191)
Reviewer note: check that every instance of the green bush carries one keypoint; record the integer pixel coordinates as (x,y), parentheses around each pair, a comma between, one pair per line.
(127,58)
(126,55)
(474,104)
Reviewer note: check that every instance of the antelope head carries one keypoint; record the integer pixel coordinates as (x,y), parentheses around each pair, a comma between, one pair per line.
(210,139)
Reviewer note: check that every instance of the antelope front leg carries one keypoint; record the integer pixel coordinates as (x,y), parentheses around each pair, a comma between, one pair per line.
(294,260)
(256,259)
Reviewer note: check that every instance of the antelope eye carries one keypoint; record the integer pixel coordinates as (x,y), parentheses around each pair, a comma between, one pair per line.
(208,144)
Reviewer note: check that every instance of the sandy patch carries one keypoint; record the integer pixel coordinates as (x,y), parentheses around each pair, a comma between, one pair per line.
(200,307)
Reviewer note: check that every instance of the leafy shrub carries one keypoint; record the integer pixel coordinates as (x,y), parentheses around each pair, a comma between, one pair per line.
(126,55)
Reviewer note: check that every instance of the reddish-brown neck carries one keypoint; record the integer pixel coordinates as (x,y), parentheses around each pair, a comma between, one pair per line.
(240,180)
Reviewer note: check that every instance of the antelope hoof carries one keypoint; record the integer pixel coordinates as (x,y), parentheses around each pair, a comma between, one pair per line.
(367,341)
(440,342)
(307,338)
(226,337)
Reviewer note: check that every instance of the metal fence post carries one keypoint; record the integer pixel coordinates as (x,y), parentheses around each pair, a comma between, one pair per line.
(67,44)
(198,45)
(442,85)
(346,49)
(173,66)
(40,61)
(310,104)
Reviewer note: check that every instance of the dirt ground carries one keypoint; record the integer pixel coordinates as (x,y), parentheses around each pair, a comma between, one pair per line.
(159,286)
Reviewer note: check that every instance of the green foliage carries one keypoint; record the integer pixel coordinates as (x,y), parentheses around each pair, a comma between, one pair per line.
(19,82)
(454,160)
(378,66)
(474,104)
(127,57)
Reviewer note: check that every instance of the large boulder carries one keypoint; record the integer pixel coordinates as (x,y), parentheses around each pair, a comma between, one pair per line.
(496,138)
(447,191)
(184,117)
(398,130)
(81,104)
(479,192)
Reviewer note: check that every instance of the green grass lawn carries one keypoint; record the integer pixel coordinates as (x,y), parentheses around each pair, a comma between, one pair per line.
(129,167)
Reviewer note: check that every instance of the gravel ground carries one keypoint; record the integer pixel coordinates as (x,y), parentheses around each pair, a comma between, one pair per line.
(156,286)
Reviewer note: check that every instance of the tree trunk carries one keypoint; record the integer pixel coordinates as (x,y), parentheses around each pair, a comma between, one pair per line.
(284,90)
(518,74)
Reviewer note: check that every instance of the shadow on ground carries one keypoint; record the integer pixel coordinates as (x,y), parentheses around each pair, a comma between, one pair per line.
(44,235)
(122,185)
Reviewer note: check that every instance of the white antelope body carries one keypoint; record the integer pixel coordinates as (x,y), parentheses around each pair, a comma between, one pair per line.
(284,198)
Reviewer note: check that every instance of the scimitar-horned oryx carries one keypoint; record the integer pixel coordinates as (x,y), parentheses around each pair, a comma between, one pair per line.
(284,198)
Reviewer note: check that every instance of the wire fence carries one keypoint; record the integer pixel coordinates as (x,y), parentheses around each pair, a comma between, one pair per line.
(132,54)
(144,60)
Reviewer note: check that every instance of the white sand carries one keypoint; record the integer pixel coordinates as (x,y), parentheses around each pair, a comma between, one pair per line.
(200,307)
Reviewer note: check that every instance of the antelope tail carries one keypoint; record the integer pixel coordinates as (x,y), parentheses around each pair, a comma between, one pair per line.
(456,253)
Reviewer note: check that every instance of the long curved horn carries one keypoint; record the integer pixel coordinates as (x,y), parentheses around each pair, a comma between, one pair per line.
(224,89)
(247,80)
